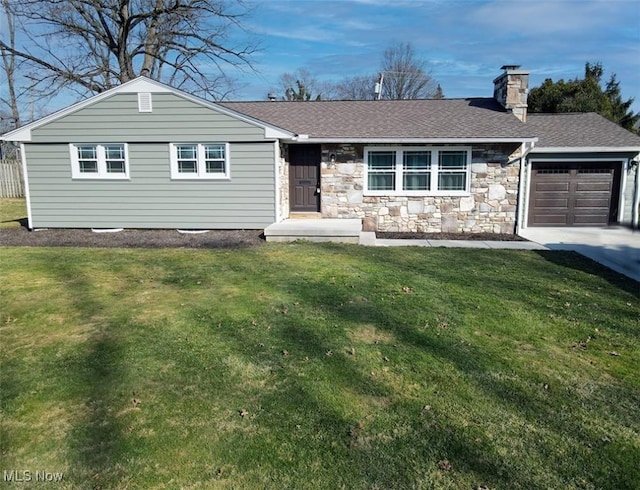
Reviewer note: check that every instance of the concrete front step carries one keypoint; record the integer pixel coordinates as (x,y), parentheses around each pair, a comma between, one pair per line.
(315,230)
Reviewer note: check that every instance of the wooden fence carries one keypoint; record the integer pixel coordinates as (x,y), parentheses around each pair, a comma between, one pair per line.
(11,181)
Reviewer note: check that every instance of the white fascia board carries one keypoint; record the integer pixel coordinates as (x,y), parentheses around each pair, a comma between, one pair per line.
(584,149)
(276,133)
(410,140)
(22,134)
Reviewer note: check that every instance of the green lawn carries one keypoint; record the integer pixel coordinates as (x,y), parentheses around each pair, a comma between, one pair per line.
(318,366)
(11,212)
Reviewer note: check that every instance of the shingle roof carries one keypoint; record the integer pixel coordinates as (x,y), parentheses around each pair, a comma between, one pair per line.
(584,130)
(433,119)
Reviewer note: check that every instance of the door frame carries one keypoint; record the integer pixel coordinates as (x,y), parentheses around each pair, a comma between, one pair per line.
(317,163)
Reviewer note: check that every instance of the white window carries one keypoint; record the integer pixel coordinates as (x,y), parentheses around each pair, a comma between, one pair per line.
(417,171)
(99,161)
(199,160)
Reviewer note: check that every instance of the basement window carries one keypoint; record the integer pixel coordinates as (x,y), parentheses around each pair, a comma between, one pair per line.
(99,161)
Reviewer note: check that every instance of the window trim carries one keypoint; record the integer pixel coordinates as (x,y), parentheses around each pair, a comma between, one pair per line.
(102,173)
(201,162)
(434,171)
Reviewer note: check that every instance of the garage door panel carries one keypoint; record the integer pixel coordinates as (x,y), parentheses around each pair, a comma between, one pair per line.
(593,187)
(591,219)
(571,193)
(601,203)
(551,203)
(552,220)
(552,187)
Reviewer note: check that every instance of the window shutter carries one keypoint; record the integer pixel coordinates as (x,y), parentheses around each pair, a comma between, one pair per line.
(144,102)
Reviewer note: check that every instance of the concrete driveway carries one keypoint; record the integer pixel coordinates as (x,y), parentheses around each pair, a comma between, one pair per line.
(615,247)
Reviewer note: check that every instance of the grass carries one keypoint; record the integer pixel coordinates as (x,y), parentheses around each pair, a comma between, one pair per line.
(319,366)
(12,213)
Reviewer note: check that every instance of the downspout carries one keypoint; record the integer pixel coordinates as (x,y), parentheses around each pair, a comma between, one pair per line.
(636,202)
(278,163)
(27,193)
(522,189)
(626,166)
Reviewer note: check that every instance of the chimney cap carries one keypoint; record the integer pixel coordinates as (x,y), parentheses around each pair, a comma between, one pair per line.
(509,67)
(271,96)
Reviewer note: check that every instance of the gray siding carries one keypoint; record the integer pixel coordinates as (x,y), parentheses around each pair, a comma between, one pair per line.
(174,119)
(150,199)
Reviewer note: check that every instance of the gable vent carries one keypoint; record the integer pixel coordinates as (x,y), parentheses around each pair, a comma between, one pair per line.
(144,102)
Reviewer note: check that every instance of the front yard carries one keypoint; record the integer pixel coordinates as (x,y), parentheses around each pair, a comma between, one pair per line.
(318,366)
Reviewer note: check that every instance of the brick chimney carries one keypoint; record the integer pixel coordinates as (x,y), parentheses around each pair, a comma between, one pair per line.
(511,89)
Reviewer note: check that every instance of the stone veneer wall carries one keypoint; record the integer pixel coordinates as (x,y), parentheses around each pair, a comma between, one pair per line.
(490,207)
(282,173)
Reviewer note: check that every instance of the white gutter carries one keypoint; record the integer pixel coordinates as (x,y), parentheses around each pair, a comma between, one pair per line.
(308,139)
(27,193)
(586,149)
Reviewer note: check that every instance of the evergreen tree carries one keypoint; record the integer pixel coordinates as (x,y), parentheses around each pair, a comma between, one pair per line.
(585,95)
(302,94)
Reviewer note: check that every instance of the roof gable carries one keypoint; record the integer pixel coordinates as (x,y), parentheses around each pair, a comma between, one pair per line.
(138,85)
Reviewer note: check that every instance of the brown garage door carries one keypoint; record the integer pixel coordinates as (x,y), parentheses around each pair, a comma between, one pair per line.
(573,194)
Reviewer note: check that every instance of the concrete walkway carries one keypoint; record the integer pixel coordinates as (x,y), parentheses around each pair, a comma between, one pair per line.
(615,247)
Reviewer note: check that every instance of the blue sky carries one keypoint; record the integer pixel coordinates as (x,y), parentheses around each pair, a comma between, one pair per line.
(464,42)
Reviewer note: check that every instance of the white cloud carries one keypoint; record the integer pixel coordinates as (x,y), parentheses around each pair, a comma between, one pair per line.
(543,17)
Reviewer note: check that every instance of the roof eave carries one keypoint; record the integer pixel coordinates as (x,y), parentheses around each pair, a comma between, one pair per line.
(585,149)
(311,139)
(21,134)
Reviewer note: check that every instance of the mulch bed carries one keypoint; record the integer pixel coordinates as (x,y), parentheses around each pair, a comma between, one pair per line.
(130,238)
(506,237)
(133,238)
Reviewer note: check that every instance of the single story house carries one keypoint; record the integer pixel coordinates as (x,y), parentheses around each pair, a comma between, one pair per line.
(145,155)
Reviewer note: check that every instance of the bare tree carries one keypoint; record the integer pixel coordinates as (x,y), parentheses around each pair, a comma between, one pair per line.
(303,86)
(10,118)
(93,45)
(356,88)
(401,76)
(404,76)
